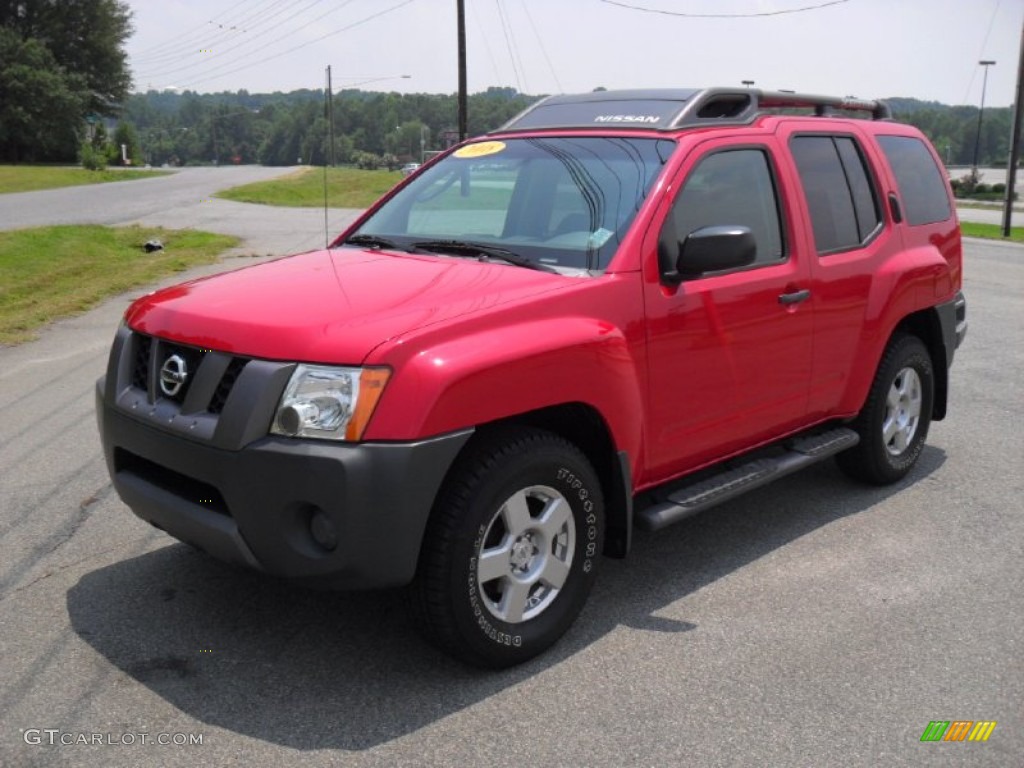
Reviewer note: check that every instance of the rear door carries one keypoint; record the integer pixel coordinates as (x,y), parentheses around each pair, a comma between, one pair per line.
(851,242)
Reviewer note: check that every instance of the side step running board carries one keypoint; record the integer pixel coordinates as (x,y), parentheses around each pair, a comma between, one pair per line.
(800,453)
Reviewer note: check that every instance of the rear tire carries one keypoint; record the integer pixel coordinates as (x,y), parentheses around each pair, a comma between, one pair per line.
(510,551)
(893,424)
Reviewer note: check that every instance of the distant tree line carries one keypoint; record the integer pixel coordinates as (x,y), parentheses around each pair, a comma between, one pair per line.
(387,128)
(953,130)
(370,128)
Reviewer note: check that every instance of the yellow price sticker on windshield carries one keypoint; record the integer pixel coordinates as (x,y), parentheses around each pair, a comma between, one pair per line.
(480,149)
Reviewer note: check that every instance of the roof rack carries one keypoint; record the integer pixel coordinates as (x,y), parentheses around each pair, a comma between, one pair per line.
(672,109)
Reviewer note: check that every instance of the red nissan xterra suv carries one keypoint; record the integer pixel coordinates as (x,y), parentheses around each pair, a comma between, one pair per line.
(620,309)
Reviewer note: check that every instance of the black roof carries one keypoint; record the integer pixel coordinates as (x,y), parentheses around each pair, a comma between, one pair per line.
(674,108)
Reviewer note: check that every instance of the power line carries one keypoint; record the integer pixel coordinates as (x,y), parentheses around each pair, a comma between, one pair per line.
(305,44)
(724,15)
(223,33)
(219,37)
(981,51)
(248,41)
(543,49)
(218,69)
(193,30)
(486,45)
(508,44)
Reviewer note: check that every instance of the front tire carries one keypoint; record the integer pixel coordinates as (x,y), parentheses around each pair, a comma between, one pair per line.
(511,549)
(893,424)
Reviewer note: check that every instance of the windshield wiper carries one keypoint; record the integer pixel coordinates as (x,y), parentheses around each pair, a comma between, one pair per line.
(373,241)
(484,253)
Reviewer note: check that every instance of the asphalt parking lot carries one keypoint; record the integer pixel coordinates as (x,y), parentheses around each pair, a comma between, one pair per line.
(814,623)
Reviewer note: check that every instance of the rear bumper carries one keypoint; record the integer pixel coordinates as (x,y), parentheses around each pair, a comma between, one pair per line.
(258,505)
(953,319)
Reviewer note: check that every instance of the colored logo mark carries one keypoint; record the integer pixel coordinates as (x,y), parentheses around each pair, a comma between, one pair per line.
(958,730)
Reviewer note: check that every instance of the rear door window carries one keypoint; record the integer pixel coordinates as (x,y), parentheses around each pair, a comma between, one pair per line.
(839,193)
(922,184)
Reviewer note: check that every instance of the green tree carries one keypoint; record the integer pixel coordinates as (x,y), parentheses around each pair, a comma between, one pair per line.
(85,37)
(40,102)
(100,137)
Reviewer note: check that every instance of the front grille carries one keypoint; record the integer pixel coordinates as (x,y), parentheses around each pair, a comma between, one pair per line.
(140,362)
(182,486)
(227,382)
(151,354)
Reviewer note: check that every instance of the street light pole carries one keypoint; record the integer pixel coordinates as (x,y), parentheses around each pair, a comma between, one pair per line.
(330,118)
(981,112)
(1018,117)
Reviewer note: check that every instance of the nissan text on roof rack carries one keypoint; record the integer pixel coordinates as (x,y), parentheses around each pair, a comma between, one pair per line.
(619,310)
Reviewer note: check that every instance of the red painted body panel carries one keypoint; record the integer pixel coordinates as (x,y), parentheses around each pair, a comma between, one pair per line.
(331,306)
(862,295)
(729,364)
(587,347)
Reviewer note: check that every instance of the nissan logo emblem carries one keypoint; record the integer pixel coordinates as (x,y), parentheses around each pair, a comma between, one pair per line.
(173,375)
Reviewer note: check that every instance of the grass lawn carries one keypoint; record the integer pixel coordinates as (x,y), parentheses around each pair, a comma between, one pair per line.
(26,178)
(991,231)
(346,188)
(51,272)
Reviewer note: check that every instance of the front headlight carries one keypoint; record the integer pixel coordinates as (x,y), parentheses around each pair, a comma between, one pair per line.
(329,403)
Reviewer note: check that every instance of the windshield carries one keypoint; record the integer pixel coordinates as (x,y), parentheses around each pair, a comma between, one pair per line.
(558,202)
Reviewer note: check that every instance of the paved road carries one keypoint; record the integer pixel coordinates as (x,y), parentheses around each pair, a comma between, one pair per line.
(181,200)
(992,215)
(818,623)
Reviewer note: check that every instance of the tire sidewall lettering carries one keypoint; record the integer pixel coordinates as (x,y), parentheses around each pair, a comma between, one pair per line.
(590,531)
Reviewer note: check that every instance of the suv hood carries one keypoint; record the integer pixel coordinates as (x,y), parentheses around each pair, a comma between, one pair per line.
(331,306)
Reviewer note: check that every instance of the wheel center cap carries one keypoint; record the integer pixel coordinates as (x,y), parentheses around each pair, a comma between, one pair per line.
(522,553)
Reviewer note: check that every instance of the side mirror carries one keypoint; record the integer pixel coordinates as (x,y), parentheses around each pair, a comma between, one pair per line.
(711,249)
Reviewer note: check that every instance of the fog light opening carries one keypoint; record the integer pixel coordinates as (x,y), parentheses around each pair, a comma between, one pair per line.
(323,530)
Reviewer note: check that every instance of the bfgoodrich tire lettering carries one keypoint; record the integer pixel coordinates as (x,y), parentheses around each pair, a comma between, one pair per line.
(893,424)
(511,549)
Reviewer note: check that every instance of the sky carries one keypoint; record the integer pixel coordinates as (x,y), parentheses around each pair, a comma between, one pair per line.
(926,49)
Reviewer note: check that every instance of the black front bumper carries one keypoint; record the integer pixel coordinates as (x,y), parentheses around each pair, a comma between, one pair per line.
(255,502)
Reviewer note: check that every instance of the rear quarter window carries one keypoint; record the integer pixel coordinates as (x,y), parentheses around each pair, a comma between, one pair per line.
(922,184)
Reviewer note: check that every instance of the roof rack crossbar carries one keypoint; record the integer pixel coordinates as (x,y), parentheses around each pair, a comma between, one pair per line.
(822,105)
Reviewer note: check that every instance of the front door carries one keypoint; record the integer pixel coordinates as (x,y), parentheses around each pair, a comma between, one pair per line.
(729,351)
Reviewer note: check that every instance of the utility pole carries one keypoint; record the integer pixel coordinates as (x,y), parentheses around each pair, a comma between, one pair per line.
(460,6)
(330,117)
(981,112)
(1018,117)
